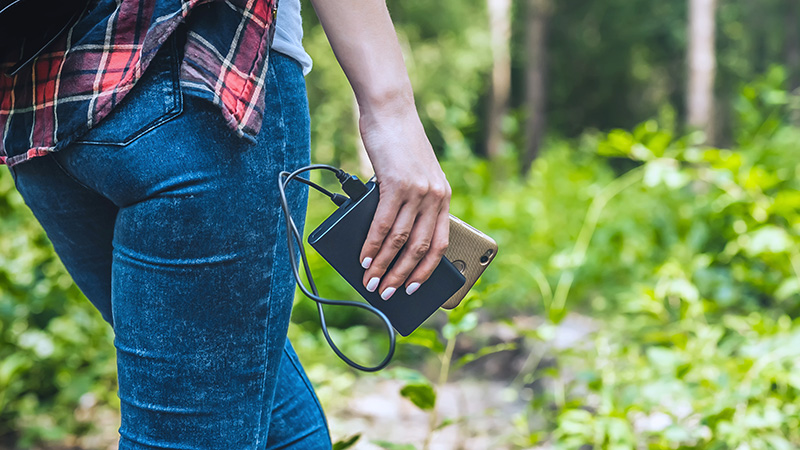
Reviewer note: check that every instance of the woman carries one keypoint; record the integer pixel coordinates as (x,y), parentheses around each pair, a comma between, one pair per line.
(147,142)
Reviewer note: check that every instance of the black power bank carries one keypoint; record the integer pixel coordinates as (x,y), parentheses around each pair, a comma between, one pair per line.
(339,240)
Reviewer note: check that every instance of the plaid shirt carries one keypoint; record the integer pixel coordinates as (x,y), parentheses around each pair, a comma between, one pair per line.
(80,79)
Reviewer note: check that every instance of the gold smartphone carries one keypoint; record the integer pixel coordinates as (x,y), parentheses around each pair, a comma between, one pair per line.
(471,251)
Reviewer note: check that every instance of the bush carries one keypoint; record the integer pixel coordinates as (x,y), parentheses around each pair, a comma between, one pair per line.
(692,273)
(56,353)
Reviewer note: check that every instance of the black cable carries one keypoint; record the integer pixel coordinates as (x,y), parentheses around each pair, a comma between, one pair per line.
(316,186)
(293,235)
(338,199)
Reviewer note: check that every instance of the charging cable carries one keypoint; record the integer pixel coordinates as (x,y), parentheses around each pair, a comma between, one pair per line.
(354,189)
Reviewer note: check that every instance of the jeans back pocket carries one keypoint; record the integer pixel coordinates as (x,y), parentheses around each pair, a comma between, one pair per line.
(154,100)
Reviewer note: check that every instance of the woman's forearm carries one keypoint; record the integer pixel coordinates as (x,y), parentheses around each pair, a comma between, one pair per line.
(412,215)
(365,44)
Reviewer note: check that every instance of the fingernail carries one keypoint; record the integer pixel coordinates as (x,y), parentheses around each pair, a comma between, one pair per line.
(366,262)
(412,288)
(373,284)
(387,293)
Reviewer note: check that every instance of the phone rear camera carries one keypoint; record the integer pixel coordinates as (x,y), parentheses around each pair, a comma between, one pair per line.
(484,259)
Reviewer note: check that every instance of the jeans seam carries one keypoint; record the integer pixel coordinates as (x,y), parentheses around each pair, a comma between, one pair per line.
(70,175)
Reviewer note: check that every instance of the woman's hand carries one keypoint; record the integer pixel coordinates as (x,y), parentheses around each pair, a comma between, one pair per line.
(413,212)
(415,197)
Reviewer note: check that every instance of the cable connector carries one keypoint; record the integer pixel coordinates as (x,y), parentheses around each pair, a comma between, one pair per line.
(339,199)
(351,185)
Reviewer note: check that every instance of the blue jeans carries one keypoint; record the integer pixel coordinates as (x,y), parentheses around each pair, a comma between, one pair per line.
(171,225)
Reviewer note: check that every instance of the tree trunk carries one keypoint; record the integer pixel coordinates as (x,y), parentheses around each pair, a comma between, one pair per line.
(702,66)
(793,43)
(792,52)
(537,19)
(500,28)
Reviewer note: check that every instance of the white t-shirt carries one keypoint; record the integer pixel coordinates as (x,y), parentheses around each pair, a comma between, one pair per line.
(289,33)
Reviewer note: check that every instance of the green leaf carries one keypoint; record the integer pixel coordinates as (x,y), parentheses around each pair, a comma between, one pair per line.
(390,446)
(425,337)
(460,325)
(13,365)
(663,358)
(768,239)
(778,442)
(346,443)
(787,288)
(420,394)
(445,423)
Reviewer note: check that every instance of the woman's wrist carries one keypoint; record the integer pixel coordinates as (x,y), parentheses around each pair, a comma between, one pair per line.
(386,101)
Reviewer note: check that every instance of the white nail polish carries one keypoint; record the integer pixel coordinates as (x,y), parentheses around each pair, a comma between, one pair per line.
(373,284)
(412,288)
(387,293)
(366,262)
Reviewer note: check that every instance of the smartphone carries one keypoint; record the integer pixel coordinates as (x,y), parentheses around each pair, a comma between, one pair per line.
(339,240)
(470,251)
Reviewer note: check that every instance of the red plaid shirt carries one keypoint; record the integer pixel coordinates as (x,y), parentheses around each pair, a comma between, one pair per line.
(79,80)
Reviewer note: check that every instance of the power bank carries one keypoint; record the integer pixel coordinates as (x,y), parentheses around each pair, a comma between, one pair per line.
(339,240)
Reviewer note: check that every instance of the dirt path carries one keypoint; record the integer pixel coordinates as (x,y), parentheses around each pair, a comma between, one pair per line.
(481,412)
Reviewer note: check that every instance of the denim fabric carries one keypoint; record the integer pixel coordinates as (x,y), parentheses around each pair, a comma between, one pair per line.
(171,225)
(88,70)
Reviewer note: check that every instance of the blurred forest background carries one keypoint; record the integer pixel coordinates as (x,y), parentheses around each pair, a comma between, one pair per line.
(638,163)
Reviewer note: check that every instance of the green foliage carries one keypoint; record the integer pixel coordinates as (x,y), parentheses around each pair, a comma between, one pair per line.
(346,443)
(390,446)
(56,356)
(696,385)
(422,395)
(698,350)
